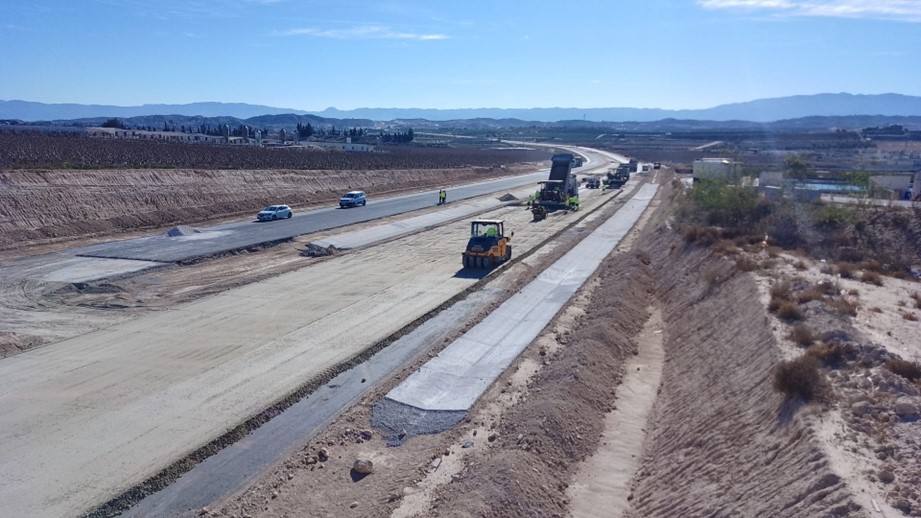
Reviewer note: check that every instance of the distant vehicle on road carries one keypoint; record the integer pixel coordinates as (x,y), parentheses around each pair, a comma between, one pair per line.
(657,165)
(273,212)
(593,182)
(353,199)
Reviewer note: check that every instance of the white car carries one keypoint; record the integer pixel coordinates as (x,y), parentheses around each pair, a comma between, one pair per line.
(273,212)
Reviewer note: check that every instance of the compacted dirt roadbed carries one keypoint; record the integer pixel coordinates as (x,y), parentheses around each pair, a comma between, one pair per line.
(163,384)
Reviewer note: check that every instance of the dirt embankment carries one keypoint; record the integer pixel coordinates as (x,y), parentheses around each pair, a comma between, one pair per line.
(45,205)
(721,439)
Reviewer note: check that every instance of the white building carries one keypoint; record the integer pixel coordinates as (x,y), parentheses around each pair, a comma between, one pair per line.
(716,169)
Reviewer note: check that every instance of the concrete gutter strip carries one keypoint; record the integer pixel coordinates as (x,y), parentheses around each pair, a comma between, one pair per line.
(458,376)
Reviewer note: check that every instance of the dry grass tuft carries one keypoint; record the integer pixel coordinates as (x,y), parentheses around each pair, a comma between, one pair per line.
(871,265)
(781,292)
(700,234)
(831,355)
(726,247)
(916,296)
(871,278)
(800,265)
(906,369)
(789,311)
(845,270)
(799,377)
(746,264)
(843,306)
(802,335)
(911,317)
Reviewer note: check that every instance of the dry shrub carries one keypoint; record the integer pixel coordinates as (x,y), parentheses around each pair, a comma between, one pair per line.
(871,278)
(726,247)
(911,317)
(800,265)
(906,369)
(746,264)
(827,269)
(802,335)
(773,252)
(876,310)
(700,234)
(917,298)
(799,377)
(810,294)
(789,311)
(845,270)
(833,354)
(843,306)
(768,264)
(871,265)
(780,293)
(853,293)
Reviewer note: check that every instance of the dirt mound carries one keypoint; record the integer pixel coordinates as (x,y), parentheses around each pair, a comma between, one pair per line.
(82,203)
(508,197)
(181,230)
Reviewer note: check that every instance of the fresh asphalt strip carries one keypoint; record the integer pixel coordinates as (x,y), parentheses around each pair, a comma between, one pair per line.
(440,393)
(236,236)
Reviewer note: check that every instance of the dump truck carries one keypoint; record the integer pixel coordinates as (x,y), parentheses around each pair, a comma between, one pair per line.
(616,178)
(488,245)
(560,191)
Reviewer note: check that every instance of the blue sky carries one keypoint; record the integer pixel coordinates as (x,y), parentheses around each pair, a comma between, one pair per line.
(455,54)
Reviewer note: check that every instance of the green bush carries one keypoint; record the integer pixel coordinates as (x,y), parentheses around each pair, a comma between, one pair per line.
(727,205)
(834,215)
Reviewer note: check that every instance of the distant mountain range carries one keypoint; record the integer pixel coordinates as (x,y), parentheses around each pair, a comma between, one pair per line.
(761,110)
(33,111)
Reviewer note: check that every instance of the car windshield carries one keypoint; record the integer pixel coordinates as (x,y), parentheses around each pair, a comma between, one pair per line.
(270,208)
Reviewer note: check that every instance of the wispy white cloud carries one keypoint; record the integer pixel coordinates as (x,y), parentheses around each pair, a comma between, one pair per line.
(898,10)
(364,32)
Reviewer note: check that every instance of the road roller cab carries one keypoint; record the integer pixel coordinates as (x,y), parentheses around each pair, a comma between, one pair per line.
(488,245)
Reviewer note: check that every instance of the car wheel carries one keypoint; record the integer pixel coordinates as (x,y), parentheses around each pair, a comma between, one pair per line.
(364,202)
(290,214)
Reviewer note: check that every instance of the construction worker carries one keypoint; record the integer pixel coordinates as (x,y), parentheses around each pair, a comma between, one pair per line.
(442,196)
(573,202)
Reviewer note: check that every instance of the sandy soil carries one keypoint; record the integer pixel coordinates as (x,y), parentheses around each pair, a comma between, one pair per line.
(601,487)
(39,206)
(860,431)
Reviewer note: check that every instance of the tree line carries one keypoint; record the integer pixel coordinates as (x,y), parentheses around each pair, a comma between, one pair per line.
(302,131)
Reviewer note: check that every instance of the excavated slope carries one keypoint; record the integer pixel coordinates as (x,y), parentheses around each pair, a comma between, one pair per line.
(722,441)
